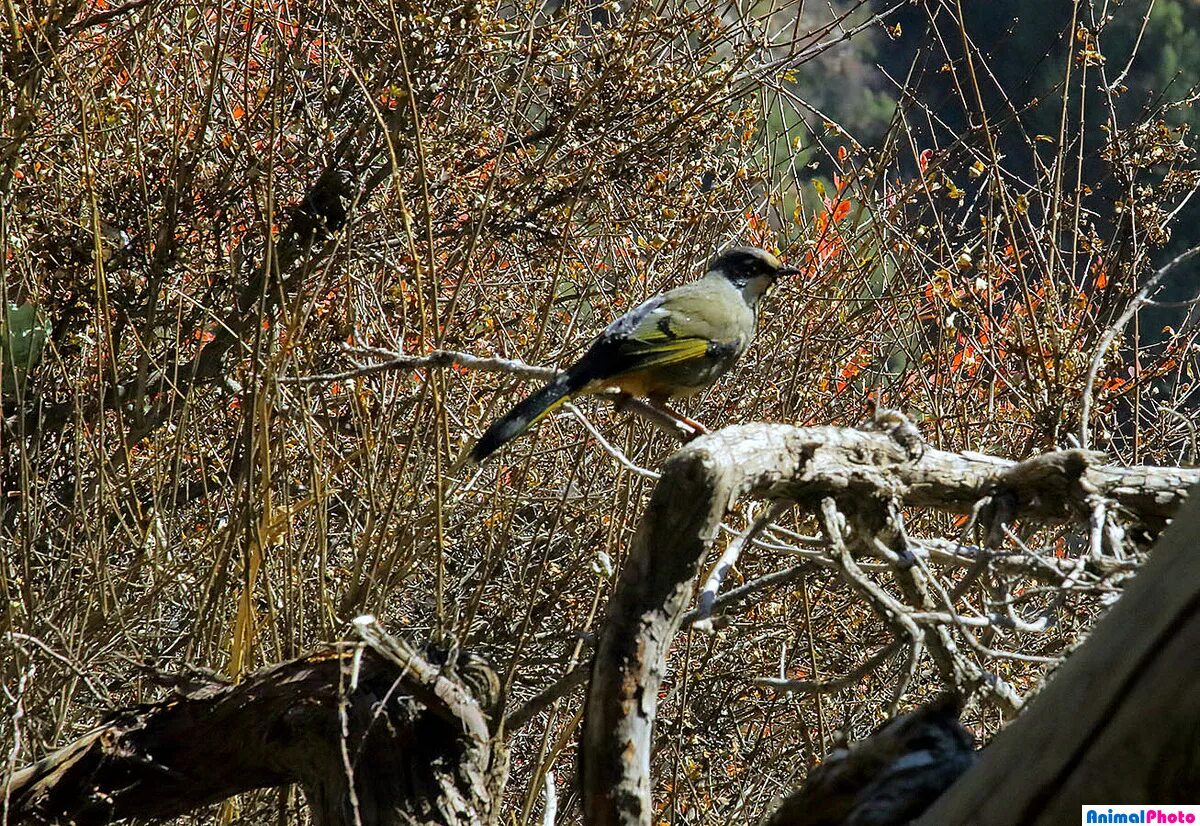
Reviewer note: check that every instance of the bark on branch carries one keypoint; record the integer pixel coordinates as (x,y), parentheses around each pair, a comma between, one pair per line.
(372,732)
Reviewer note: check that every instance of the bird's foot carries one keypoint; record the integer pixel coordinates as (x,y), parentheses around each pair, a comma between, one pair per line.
(697,428)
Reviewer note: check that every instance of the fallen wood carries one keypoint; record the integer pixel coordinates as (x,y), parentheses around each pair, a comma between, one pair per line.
(1049,487)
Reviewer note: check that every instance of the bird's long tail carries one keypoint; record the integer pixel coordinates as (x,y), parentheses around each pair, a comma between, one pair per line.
(528,413)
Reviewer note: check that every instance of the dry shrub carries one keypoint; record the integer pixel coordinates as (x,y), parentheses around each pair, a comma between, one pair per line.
(214,203)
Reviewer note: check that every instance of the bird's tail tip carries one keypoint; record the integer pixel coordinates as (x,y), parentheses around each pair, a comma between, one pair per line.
(524,416)
(467,458)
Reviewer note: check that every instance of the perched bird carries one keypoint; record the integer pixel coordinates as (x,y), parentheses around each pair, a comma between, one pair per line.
(672,346)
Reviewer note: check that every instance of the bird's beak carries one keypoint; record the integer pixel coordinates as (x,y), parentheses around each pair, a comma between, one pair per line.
(786,270)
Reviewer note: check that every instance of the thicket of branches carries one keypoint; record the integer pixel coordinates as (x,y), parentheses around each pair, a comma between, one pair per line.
(242,228)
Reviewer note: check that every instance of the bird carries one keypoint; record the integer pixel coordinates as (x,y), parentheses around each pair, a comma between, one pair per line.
(672,346)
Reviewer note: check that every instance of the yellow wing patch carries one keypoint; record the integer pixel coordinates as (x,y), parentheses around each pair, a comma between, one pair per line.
(663,352)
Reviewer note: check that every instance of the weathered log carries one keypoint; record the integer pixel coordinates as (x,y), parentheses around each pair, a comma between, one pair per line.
(371,732)
(1049,487)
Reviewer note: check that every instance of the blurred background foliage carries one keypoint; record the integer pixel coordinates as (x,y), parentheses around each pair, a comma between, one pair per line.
(1150,50)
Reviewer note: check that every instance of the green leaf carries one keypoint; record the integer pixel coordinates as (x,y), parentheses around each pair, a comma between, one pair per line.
(23,336)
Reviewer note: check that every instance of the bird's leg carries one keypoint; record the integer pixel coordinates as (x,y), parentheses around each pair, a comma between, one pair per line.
(661,404)
(661,417)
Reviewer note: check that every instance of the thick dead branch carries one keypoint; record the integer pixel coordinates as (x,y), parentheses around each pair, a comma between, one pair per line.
(890,777)
(807,465)
(371,736)
(1117,722)
(699,484)
(843,462)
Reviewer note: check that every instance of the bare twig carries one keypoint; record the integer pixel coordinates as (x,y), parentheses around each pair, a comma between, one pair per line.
(867,666)
(708,595)
(1136,303)
(561,687)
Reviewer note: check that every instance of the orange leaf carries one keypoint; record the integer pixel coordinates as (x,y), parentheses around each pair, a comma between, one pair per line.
(238,112)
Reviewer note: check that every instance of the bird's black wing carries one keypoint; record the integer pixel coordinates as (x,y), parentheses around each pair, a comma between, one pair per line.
(649,335)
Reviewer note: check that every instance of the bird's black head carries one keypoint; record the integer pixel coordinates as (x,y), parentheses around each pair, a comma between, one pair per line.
(750,269)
